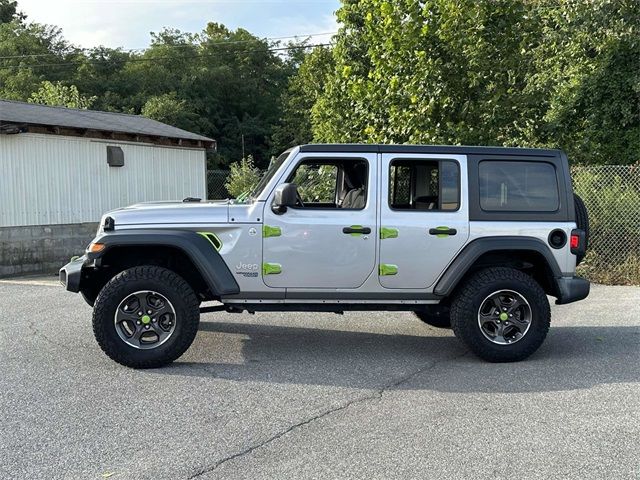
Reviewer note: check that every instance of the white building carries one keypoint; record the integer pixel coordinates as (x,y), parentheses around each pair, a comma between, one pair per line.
(61,169)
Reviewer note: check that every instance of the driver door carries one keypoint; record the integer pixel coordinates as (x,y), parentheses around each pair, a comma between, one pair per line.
(326,241)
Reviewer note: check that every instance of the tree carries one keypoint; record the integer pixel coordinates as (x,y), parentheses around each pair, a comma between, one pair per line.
(9,11)
(169,109)
(59,95)
(32,53)
(303,91)
(489,72)
(243,177)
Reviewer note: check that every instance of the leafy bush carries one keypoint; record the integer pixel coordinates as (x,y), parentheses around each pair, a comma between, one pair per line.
(243,177)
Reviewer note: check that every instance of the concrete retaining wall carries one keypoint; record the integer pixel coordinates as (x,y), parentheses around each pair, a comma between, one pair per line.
(42,248)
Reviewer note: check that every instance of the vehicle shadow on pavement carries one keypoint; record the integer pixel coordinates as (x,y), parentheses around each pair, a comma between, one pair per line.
(571,358)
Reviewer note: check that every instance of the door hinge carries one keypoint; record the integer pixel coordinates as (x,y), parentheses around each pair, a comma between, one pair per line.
(387,269)
(386,232)
(271,268)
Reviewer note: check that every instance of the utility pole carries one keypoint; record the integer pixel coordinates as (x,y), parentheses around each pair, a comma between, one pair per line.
(243,145)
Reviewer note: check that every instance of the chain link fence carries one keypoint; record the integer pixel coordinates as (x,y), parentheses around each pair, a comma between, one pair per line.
(612,196)
(216,180)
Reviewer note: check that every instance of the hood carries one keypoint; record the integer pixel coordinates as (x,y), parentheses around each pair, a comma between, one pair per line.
(171,213)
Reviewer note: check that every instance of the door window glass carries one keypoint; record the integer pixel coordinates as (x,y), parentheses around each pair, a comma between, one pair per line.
(332,183)
(424,185)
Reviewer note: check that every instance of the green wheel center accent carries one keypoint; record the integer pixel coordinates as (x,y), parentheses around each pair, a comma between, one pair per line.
(146,319)
(504,316)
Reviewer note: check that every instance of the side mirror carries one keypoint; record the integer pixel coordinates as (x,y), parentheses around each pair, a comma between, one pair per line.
(285,196)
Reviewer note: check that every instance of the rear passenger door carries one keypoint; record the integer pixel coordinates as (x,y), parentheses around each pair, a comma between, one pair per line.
(424,218)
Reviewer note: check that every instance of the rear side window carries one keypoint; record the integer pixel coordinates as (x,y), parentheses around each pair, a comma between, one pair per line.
(424,185)
(518,186)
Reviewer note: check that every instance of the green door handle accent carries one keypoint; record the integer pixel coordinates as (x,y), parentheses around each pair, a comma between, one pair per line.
(269,231)
(386,232)
(442,232)
(356,230)
(387,269)
(271,268)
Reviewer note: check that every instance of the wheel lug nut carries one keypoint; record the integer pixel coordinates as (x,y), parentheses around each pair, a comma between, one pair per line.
(139,314)
(147,327)
(138,322)
(149,312)
(153,320)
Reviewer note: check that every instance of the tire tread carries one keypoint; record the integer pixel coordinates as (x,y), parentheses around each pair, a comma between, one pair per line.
(103,305)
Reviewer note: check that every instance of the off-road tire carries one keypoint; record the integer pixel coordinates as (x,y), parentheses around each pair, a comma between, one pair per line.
(436,317)
(467,302)
(157,279)
(582,221)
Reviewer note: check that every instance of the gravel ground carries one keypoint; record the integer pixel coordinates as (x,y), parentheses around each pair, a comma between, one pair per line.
(299,395)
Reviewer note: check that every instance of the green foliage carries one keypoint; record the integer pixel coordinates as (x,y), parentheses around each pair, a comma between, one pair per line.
(303,91)
(39,53)
(9,11)
(493,72)
(59,95)
(220,83)
(169,109)
(243,177)
(488,72)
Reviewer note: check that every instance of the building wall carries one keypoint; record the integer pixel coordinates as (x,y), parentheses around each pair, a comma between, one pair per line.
(54,189)
(51,180)
(42,248)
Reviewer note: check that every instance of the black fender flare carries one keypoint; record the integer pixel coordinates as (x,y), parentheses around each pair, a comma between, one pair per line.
(457,269)
(197,248)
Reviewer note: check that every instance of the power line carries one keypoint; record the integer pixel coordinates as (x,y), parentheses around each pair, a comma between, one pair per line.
(155,59)
(134,50)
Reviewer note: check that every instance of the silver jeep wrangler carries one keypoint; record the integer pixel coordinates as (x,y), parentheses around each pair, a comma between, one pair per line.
(468,238)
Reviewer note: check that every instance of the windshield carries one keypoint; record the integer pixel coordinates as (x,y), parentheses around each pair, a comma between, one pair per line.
(273,168)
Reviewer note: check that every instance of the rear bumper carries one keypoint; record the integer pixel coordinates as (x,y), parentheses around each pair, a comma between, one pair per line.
(572,289)
(71,274)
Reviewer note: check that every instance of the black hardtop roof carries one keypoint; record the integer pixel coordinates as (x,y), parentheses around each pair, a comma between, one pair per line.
(445,149)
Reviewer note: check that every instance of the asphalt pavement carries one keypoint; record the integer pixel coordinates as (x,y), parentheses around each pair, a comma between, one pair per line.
(305,395)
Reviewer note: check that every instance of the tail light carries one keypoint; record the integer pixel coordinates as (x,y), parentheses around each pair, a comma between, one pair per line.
(577,242)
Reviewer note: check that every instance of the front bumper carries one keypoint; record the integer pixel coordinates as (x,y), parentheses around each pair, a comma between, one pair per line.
(71,274)
(572,289)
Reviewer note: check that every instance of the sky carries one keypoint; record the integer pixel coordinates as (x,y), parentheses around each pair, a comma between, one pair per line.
(127,23)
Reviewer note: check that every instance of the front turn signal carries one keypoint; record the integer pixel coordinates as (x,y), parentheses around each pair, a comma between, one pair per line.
(96,247)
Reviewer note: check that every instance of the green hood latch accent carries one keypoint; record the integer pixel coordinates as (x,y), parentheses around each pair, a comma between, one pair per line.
(271,268)
(213,239)
(387,269)
(268,231)
(386,232)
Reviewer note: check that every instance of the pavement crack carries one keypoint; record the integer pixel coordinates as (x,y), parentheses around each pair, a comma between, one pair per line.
(375,395)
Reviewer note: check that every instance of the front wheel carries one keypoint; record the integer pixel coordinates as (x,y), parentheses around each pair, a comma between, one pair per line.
(146,317)
(501,314)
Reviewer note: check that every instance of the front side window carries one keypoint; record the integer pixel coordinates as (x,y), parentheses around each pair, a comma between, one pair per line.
(424,185)
(518,186)
(331,183)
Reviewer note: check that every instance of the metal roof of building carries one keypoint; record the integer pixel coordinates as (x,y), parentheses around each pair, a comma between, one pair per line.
(36,114)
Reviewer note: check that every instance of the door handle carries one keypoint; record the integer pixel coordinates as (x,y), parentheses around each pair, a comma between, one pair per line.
(442,231)
(357,230)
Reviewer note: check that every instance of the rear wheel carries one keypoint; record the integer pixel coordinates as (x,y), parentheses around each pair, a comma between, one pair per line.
(146,317)
(501,314)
